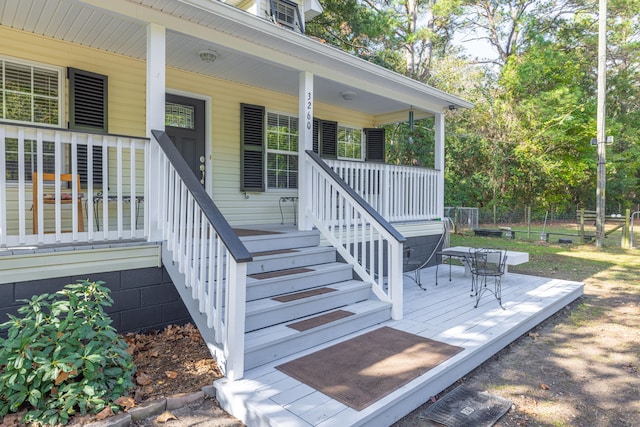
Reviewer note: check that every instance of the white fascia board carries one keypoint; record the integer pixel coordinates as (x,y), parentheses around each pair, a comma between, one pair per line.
(321,59)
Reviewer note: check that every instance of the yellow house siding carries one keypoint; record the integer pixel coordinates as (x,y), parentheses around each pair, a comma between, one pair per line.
(224,146)
(127,76)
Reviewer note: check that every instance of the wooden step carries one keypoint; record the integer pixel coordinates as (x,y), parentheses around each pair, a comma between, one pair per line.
(267,312)
(281,259)
(281,240)
(313,276)
(272,343)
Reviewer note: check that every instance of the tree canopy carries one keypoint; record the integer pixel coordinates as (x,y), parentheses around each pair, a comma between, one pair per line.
(527,140)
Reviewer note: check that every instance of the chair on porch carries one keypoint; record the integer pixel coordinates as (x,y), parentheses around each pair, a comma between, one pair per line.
(412,264)
(50,198)
(487,264)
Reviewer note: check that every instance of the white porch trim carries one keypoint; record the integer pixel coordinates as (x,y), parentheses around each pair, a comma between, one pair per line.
(156,88)
(305,142)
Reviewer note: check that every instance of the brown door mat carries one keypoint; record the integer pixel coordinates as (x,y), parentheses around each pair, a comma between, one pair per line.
(277,252)
(279,273)
(303,294)
(323,319)
(244,232)
(364,369)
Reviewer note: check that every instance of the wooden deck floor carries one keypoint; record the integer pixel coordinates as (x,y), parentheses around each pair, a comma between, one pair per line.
(266,396)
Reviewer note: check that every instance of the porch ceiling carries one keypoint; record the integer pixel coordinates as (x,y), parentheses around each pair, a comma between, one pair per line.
(250,51)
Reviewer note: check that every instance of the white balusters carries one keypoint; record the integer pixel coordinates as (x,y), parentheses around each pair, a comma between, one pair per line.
(110,210)
(398,193)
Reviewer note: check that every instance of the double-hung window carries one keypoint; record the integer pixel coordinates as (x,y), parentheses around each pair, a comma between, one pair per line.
(282,151)
(350,143)
(31,94)
(269,147)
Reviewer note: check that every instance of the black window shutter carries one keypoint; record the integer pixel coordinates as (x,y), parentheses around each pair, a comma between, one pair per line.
(87,101)
(329,139)
(252,156)
(325,138)
(88,111)
(316,136)
(375,144)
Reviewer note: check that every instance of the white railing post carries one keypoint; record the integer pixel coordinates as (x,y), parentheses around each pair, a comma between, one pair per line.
(237,294)
(386,190)
(439,163)
(395,277)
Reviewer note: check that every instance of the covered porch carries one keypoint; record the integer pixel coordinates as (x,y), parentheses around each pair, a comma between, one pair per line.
(446,313)
(108,198)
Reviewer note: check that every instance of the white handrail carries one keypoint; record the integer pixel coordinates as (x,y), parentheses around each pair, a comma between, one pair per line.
(37,149)
(208,253)
(361,237)
(398,193)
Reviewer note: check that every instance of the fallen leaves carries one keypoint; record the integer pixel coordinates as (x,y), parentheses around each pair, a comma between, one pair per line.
(165,416)
(126,402)
(174,360)
(62,376)
(143,379)
(105,413)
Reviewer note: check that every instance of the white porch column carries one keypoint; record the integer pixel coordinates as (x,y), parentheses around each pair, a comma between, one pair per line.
(305,142)
(439,162)
(156,88)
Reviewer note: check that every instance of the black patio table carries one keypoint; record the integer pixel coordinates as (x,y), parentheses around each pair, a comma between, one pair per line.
(458,252)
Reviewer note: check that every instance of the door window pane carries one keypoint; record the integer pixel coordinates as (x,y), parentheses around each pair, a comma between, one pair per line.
(179,116)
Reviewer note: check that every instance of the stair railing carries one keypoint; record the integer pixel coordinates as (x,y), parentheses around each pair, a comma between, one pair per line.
(205,249)
(361,235)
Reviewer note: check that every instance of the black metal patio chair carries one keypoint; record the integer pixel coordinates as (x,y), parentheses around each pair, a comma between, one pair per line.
(487,264)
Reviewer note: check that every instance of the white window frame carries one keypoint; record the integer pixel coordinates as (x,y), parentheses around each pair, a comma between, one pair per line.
(61,90)
(350,130)
(30,145)
(269,150)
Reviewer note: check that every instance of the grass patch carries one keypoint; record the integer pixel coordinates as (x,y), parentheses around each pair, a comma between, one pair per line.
(569,262)
(585,313)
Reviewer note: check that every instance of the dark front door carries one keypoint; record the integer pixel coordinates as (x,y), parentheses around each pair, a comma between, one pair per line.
(185,125)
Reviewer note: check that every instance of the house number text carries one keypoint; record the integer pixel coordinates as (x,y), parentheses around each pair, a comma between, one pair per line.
(309,115)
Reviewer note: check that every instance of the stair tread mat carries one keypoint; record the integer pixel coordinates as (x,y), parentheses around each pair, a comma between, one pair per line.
(366,368)
(276,252)
(245,232)
(323,319)
(303,294)
(279,273)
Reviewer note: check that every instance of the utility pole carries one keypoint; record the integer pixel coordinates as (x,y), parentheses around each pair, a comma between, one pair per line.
(601,129)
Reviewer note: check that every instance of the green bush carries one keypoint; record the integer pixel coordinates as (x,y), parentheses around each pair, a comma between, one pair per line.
(63,356)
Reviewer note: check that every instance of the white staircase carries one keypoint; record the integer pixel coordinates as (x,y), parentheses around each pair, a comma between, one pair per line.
(312,285)
(293,265)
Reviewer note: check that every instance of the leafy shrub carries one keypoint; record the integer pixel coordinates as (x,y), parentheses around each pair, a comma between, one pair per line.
(63,356)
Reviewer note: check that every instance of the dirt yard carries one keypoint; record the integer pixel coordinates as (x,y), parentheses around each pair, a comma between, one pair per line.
(580,367)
